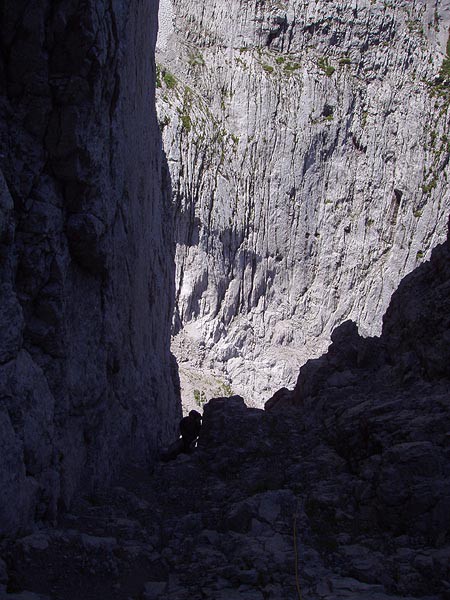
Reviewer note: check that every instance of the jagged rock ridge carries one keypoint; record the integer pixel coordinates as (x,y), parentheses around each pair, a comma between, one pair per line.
(308,148)
(86,274)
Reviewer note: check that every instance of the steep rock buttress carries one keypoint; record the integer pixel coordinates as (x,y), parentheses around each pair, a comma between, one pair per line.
(86,274)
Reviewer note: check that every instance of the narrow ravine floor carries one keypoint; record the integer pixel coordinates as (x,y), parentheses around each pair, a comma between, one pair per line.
(229,522)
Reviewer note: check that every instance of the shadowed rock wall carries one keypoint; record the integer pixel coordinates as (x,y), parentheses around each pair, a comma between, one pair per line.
(86,271)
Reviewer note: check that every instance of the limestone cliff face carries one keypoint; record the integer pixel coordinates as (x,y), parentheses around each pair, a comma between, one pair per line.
(308,148)
(86,272)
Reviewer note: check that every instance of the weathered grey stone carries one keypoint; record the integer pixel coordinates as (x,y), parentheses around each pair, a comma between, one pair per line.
(27,596)
(308,160)
(87,380)
(343,549)
(84,233)
(189,523)
(239,517)
(269,507)
(12,318)
(250,595)
(91,542)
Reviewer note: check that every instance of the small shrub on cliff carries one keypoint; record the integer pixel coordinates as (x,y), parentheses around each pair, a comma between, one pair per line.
(196,60)
(291,67)
(267,68)
(227,389)
(426,188)
(169,80)
(440,87)
(323,64)
(444,73)
(164,122)
(345,60)
(158,76)
(199,397)
(415,26)
(186,122)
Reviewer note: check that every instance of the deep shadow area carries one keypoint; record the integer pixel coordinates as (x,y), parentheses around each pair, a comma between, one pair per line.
(347,477)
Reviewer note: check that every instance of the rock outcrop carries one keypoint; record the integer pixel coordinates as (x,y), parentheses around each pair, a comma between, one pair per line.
(382,405)
(308,148)
(340,492)
(86,273)
(413,349)
(264,507)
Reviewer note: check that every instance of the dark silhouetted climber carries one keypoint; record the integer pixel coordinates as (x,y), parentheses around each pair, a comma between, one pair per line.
(190,427)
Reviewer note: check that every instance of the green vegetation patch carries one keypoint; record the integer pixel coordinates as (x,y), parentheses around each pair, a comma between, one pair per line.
(415,26)
(164,122)
(444,73)
(325,66)
(440,87)
(186,122)
(364,116)
(344,61)
(169,79)
(158,76)
(184,113)
(427,188)
(226,387)
(199,397)
(290,67)
(196,60)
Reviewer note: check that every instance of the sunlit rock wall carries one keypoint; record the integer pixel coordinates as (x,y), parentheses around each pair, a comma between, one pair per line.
(87,381)
(308,147)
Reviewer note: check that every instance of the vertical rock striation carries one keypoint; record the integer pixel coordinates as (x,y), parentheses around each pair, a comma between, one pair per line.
(86,271)
(308,147)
